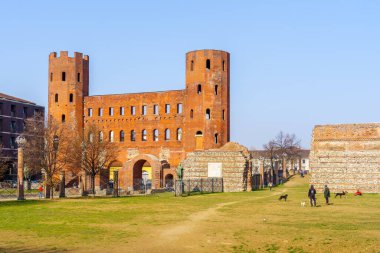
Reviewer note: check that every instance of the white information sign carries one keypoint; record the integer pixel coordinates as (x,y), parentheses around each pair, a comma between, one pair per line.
(214,169)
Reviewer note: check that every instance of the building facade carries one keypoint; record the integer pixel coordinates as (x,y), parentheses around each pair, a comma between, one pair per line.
(13,112)
(154,130)
(346,157)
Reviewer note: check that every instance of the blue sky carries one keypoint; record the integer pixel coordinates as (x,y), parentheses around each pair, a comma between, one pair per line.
(294,64)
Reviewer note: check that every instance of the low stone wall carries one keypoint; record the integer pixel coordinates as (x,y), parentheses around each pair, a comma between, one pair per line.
(235,166)
(346,157)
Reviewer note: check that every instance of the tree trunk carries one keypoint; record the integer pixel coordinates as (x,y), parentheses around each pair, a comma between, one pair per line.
(93,184)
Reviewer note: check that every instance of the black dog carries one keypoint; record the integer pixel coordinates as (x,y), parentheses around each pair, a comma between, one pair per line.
(284,196)
(340,194)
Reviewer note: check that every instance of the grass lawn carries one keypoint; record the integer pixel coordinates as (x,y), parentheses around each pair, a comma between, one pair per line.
(223,222)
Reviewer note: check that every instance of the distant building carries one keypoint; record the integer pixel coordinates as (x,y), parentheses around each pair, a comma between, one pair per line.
(13,112)
(262,164)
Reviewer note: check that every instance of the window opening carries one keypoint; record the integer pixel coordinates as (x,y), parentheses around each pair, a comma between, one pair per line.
(179,108)
(216,138)
(143,111)
(111,139)
(155,135)
(133,135)
(63,76)
(155,109)
(122,136)
(143,135)
(216,89)
(63,118)
(167,108)
(199,89)
(56,98)
(208,64)
(179,134)
(110,111)
(122,111)
(167,134)
(133,110)
(78,77)
(71,97)
(208,114)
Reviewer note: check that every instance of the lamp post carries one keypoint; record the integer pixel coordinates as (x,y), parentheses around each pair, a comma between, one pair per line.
(20,167)
(50,188)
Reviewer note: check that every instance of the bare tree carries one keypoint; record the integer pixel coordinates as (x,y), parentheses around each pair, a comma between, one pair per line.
(91,152)
(47,149)
(284,147)
(3,162)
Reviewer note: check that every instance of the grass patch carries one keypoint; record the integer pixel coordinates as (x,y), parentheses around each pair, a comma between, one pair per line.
(218,222)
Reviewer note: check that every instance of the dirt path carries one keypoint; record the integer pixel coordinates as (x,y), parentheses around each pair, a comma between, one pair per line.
(171,238)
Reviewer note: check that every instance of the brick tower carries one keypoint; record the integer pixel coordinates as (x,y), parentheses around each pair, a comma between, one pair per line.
(207,100)
(68,85)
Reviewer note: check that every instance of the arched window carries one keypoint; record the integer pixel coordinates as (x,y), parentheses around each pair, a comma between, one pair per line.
(110,137)
(208,114)
(223,114)
(223,65)
(91,137)
(101,136)
(143,135)
(216,90)
(191,113)
(133,135)
(192,66)
(216,138)
(122,135)
(63,118)
(155,135)
(179,134)
(71,97)
(208,64)
(78,77)
(56,97)
(167,134)
(199,133)
(63,76)
(199,89)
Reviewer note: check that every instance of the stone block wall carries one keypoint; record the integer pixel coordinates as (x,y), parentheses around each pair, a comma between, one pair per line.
(235,167)
(346,157)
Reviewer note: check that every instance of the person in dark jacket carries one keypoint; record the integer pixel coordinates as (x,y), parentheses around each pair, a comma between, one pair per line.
(311,194)
(326,193)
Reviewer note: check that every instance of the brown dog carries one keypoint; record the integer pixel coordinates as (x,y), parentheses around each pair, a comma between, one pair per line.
(340,194)
(284,196)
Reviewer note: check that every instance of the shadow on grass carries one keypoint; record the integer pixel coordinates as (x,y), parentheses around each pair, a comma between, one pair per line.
(23,203)
(31,250)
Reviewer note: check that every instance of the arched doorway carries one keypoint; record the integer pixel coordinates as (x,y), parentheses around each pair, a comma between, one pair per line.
(130,176)
(140,167)
(169,181)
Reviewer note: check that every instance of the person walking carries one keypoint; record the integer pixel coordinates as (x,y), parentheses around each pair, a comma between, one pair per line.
(270,185)
(311,194)
(40,190)
(326,193)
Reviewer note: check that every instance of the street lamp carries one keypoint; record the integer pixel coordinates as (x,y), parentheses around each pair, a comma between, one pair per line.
(55,142)
(21,141)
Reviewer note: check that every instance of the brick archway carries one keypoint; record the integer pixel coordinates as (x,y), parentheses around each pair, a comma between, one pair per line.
(134,165)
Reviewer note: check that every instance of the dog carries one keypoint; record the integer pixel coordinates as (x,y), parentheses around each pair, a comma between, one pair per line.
(303,203)
(340,194)
(283,196)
